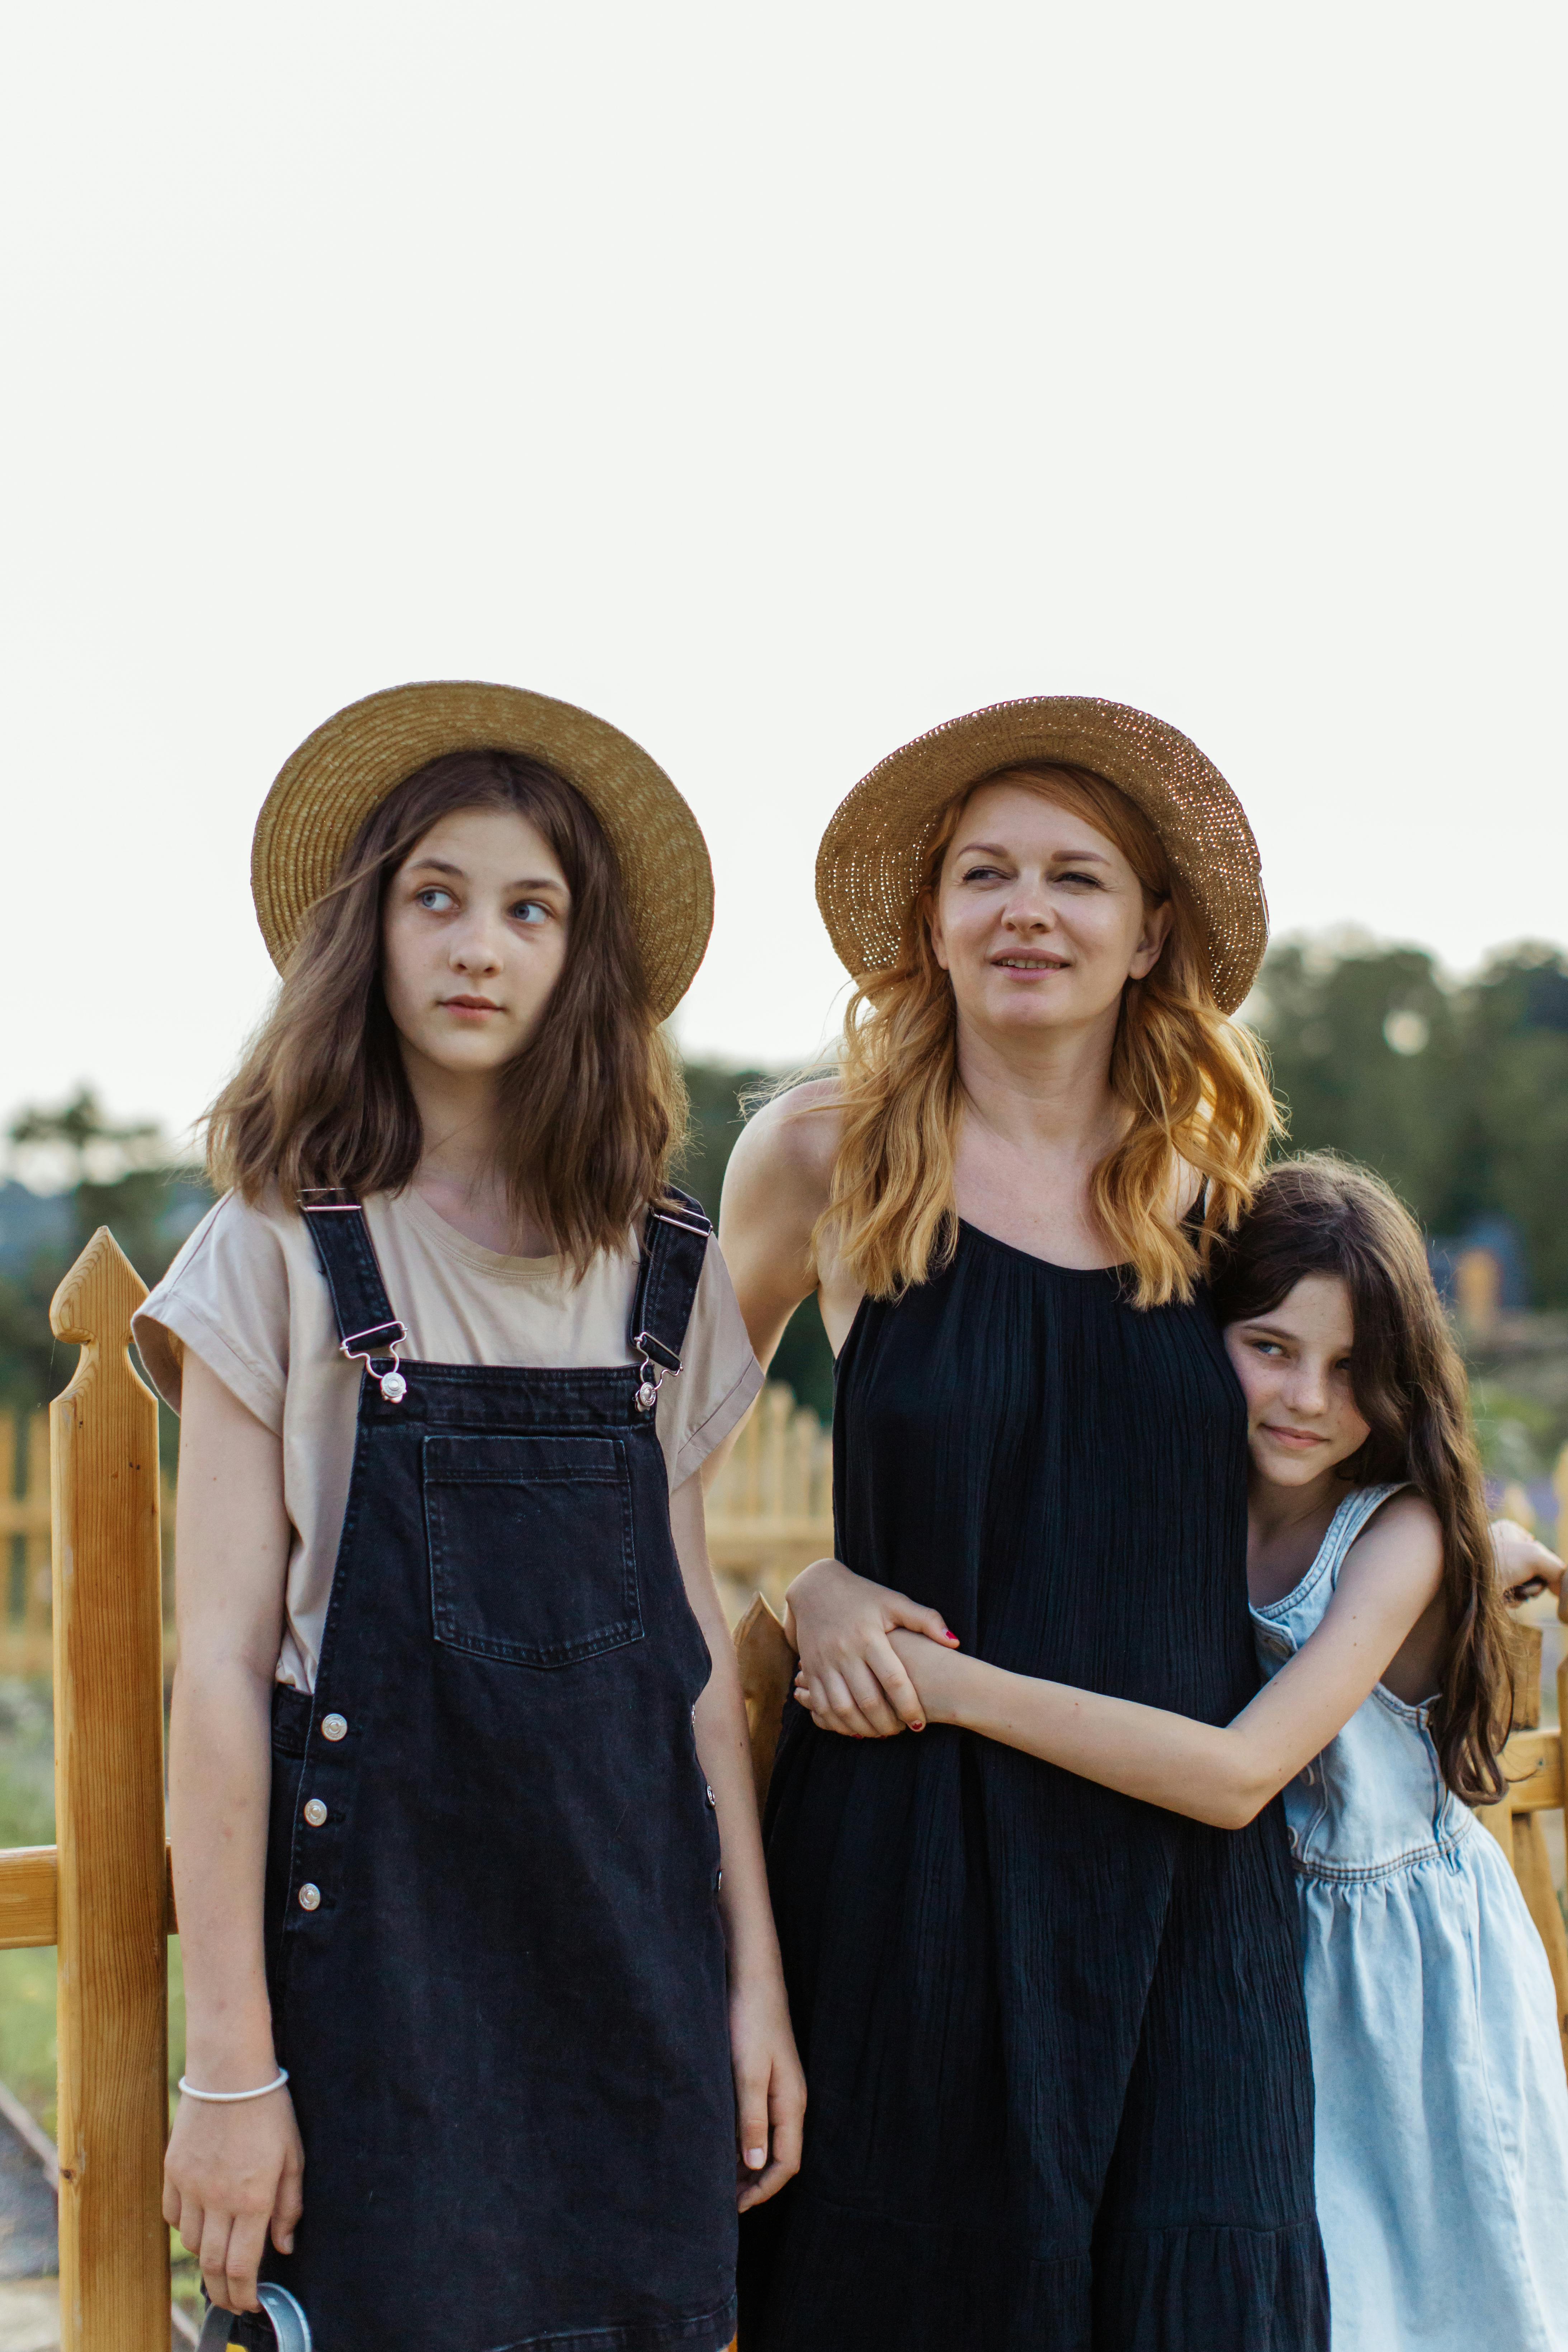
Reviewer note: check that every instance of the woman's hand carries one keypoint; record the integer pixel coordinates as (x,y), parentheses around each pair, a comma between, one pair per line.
(1524,1567)
(770,2089)
(231,2178)
(859,1684)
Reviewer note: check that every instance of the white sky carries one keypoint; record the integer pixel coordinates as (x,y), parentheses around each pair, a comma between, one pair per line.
(778,383)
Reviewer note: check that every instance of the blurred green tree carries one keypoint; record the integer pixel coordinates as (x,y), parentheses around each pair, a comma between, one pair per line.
(1456,1094)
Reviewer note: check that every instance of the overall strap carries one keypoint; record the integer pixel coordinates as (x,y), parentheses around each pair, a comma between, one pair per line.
(674,1251)
(368,1332)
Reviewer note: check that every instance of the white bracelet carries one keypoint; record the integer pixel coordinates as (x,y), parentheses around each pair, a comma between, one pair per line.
(228,2098)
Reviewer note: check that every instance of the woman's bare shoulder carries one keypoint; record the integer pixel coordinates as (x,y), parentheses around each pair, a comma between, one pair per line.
(794,1136)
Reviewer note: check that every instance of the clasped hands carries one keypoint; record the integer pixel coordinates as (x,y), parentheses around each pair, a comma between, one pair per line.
(872,1661)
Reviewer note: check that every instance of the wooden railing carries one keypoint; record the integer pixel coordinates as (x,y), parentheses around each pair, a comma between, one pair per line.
(1532,1762)
(102,1896)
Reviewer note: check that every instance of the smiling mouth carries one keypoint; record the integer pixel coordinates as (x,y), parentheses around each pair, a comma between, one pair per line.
(1029,964)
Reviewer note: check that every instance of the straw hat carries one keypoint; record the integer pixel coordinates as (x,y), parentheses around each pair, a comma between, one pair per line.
(329,786)
(873,855)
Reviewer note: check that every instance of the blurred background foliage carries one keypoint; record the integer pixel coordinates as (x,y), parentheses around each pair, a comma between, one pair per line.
(1456,1091)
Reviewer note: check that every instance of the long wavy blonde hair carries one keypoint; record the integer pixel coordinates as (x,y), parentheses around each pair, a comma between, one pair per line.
(1194,1084)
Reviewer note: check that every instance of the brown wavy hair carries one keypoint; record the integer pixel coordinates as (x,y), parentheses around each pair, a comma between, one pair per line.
(1195,1086)
(1320,1214)
(592,1109)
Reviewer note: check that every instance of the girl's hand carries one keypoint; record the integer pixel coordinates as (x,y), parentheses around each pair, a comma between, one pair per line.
(858,1682)
(770,2089)
(231,2178)
(1524,1567)
(936,1670)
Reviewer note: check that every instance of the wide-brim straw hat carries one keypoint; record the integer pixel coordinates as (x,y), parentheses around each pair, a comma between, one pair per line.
(874,852)
(327,788)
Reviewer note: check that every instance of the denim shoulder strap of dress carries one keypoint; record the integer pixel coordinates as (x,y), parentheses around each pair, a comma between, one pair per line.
(674,1251)
(1350,1520)
(368,1330)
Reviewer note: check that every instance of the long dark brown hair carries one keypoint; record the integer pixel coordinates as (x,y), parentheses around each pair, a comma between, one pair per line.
(593,1107)
(1319,1214)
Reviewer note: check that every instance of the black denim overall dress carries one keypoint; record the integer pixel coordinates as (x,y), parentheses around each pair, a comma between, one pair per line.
(494,1954)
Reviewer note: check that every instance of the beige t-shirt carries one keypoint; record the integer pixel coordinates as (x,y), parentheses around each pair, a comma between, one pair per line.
(248,1293)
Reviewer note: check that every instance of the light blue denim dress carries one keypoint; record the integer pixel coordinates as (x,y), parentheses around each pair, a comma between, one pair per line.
(1442,2112)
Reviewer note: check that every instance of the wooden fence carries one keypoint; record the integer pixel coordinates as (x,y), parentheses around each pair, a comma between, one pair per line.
(770,1509)
(25,1642)
(101,1895)
(26,1638)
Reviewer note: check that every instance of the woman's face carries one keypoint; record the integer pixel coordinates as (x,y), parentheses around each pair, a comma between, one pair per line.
(1294,1366)
(473,940)
(1040,921)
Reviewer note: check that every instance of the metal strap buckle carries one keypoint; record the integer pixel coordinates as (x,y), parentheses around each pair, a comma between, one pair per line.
(653,1372)
(393,1387)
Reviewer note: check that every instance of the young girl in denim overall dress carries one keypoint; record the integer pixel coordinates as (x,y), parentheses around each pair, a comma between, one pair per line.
(486,2031)
(1377,1592)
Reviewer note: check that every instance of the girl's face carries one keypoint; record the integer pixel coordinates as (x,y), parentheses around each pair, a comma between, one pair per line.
(473,940)
(1039,921)
(1294,1366)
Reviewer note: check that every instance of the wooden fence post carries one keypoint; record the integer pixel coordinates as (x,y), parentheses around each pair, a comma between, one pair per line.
(1532,1768)
(108,1793)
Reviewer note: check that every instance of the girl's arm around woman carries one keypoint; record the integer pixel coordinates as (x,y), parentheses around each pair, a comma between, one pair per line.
(1221,1773)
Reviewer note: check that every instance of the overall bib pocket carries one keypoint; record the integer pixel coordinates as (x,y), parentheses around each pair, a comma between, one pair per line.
(532,1556)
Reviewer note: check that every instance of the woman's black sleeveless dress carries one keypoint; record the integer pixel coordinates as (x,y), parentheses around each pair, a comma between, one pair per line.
(1060,2093)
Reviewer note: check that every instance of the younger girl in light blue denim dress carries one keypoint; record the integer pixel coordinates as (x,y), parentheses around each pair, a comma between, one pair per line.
(1442,2116)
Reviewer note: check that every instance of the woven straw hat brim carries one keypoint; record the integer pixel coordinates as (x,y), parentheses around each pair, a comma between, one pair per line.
(329,786)
(873,855)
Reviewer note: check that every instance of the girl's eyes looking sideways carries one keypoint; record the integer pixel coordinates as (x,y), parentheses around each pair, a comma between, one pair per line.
(437,901)
(1274,1350)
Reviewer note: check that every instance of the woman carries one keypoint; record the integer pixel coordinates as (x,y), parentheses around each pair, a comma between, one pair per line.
(1054,2038)
(457,1745)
